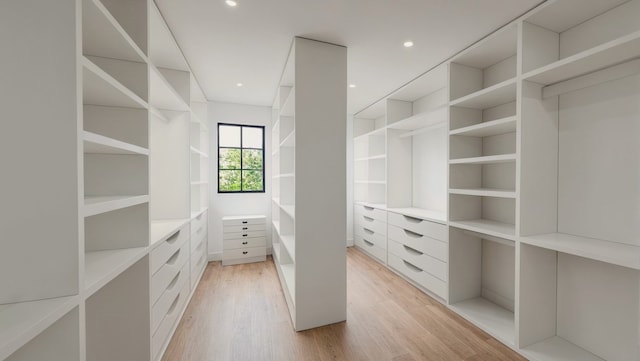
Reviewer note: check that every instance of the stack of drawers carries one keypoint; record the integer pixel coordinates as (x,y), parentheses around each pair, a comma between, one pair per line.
(370,231)
(244,239)
(170,286)
(198,246)
(418,249)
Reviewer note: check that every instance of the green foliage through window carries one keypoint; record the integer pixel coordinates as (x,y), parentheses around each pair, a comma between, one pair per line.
(240,158)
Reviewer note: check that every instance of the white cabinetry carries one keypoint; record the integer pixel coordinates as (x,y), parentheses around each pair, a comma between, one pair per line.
(244,239)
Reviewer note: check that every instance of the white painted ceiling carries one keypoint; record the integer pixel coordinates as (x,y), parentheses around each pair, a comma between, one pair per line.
(249,43)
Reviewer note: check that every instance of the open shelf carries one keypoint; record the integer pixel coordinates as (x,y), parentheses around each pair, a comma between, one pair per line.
(100,88)
(21,322)
(492,228)
(487,129)
(427,214)
(289,275)
(160,230)
(276,226)
(290,140)
(485,192)
(600,250)
(101,204)
(288,107)
(491,159)
(275,247)
(375,132)
(289,244)
(369,182)
(162,94)
(103,36)
(103,266)
(501,93)
(558,349)
(375,157)
(95,143)
(289,209)
(495,320)
(421,120)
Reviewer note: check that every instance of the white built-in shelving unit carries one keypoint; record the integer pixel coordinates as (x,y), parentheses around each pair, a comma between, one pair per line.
(116,151)
(308,210)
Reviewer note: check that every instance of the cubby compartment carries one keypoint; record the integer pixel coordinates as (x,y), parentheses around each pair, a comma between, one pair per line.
(485,73)
(286,137)
(574,308)
(108,313)
(565,39)
(118,126)
(133,76)
(484,214)
(482,281)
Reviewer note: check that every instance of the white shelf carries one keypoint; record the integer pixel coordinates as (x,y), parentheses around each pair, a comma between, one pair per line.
(103,204)
(495,320)
(421,120)
(160,230)
(487,129)
(610,53)
(492,228)
(276,226)
(374,133)
(162,95)
(103,36)
(289,141)
(485,192)
(23,321)
(289,275)
(95,143)
(501,93)
(491,159)
(600,250)
(289,243)
(374,157)
(201,153)
(426,214)
(276,251)
(100,88)
(288,108)
(558,349)
(289,209)
(369,182)
(103,266)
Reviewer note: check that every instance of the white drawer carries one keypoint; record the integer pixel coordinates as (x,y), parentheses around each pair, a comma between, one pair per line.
(244,243)
(162,333)
(241,235)
(378,239)
(199,223)
(197,241)
(238,255)
(198,262)
(239,221)
(427,245)
(371,248)
(372,224)
(419,259)
(164,251)
(160,308)
(422,278)
(375,213)
(198,232)
(167,274)
(420,226)
(245,228)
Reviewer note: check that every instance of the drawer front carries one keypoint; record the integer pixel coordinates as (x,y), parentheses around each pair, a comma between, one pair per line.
(160,308)
(199,223)
(245,243)
(245,228)
(197,241)
(426,263)
(371,212)
(238,221)
(420,226)
(164,251)
(376,238)
(162,333)
(241,235)
(237,254)
(420,277)
(167,274)
(197,264)
(198,231)
(372,224)
(424,244)
(371,248)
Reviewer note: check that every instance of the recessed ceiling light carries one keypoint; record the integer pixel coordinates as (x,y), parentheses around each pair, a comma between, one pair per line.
(408,44)
(239,85)
(352,85)
(231,3)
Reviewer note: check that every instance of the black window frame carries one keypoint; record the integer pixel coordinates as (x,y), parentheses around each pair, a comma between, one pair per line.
(241,148)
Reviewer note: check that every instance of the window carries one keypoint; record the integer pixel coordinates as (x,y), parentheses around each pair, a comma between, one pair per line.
(240,158)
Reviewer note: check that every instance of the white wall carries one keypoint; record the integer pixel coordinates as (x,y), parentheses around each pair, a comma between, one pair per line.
(221,205)
(350,180)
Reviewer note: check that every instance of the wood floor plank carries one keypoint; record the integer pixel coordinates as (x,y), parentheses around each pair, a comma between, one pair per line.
(239,313)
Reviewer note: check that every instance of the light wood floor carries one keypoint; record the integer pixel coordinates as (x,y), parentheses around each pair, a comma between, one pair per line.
(239,313)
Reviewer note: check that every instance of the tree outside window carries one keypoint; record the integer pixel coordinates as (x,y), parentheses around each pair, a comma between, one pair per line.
(240,158)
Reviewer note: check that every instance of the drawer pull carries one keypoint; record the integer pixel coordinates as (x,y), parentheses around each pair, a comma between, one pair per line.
(370,244)
(199,230)
(173,305)
(412,250)
(245,222)
(174,258)
(245,228)
(368,208)
(173,282)
(245,252)
(412,267)
(412,219)
(412,234)
(244,235)
(367,230)
(368,219)
(173,238)
(245,242)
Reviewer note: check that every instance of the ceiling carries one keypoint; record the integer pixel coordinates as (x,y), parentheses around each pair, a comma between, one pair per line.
(249,43)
